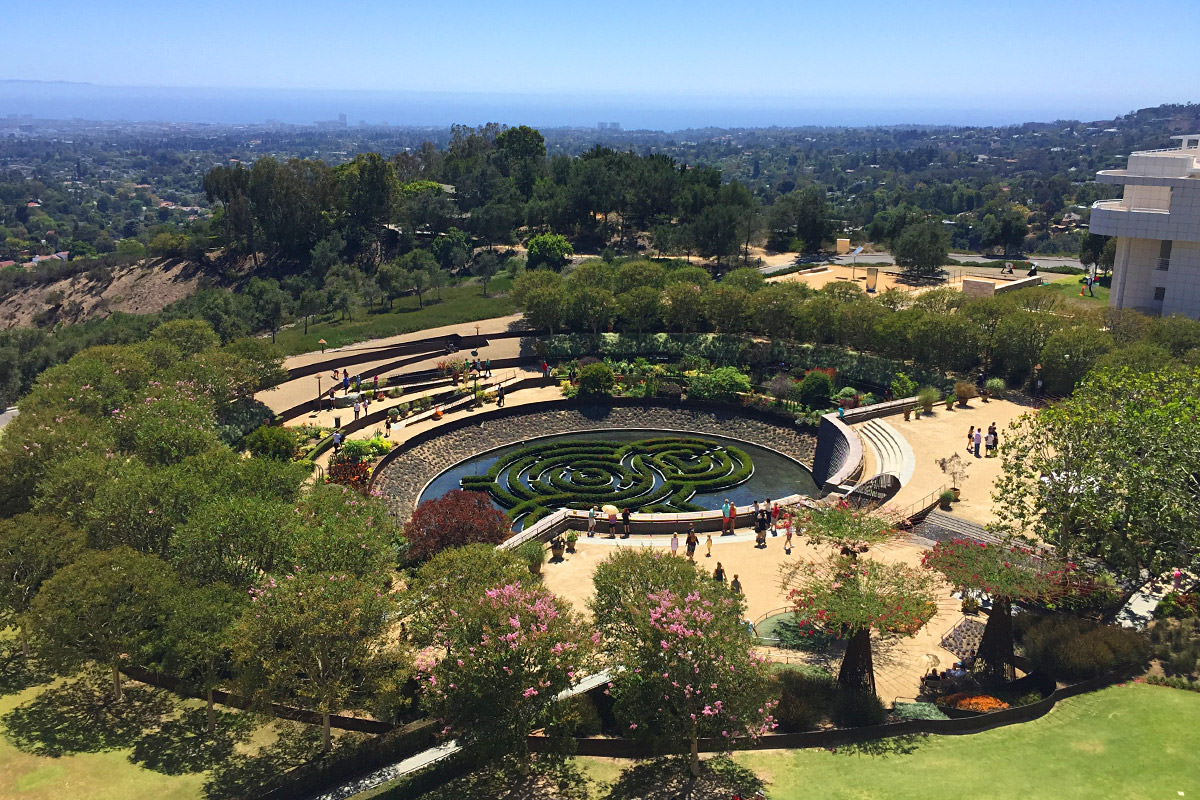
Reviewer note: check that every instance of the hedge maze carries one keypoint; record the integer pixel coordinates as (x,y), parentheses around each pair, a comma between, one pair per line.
(653,475)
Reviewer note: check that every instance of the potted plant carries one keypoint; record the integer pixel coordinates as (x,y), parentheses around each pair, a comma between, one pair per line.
(955,468)
(996,387)
(927,397)
(907,414)
(970,604)
(964,391)
(572,538)
(557,548)
(533,554)
(945,499)
(950,402)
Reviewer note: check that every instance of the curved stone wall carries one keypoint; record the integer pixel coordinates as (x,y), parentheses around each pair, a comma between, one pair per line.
(406,473)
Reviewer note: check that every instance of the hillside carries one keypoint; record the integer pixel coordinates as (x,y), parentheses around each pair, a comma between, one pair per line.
(140,288)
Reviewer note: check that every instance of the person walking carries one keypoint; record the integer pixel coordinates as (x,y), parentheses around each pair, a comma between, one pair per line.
(787,533)
(978,440)
(690,543)
(989,442)
(375,381)
(675,543)
(345,381)
(591,529)
(357,409)
(735,584)
(970,438)
(719,573)
(488,369)
(337,442)
(500,395)
(612,524)
(708,546)
(625,523)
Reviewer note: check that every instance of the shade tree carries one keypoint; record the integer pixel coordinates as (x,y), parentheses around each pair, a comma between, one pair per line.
(32,548)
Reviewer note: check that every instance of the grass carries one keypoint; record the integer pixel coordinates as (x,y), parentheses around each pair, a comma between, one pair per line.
(1131,741)
(1069,288)
(464,303)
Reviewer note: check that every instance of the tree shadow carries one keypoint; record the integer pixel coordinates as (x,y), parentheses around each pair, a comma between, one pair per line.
(243,775)
(669,778)
(184,744)
(882,748)
(81,716)
(547,778)
(18,671)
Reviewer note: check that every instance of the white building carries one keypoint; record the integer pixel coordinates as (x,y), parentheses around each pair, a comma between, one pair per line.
(1157,265)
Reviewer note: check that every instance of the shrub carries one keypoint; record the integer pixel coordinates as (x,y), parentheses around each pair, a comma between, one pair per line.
(1067,648)
(857,709)
(455,519)
(1178,605)
(356,474)
(927,397)
(377,445)
(272,442)
(532,553)
(670,390)
(354,451)
(1174,683)
(815,390)
(806,698)
(996,387)
(596,380)
(722,385)
(918,711)
(903,386)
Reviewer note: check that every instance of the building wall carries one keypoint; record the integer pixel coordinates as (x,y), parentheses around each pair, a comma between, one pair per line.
(1183,282)
(1141,277)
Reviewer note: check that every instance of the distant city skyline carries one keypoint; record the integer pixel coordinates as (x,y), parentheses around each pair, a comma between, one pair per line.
(877,61)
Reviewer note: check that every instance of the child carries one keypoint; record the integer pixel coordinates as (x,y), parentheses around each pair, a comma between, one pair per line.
(787,539)
(708,546)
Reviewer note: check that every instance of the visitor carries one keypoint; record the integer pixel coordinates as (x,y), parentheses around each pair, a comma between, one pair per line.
(690,542)
(725,516)
(775,512)
(787,533)
(708,546)
(736,585)
(732,519)
(968,661)
(1178,577)
(625,523)
(337,442)
(345,381)
(357,409)
(719,573)
(500,395)
(488,369)
(675,543)
(612,524)
(995,436)
(358,383)
(387,427)
(970,439)
(545,369)
(989,443)
(978,440)
(375,381)
(591,529)
(366,398)
(332,389)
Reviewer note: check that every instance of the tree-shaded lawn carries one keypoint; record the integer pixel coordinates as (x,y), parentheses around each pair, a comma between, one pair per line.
(458,304)
(1132,741)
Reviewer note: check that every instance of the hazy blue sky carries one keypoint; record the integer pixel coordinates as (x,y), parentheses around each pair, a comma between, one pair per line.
(885,53)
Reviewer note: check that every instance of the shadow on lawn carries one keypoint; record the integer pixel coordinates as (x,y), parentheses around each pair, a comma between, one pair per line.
(669,779)
(242,775)
(882,748)
(184,744)
(548,779)
(80,716)
(18,672)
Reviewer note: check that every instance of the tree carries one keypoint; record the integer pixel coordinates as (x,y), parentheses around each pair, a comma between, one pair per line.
(799,215)
(450,583)
(551,249)
(1109,472)
(195,639)
(1069,354)
(340,530)
(848,597)
(1006,572)
(107,606)
(921,249)
(455,519)
(311,637)
(312,303)
(683,305)
(501,663)
(689,666)
(272,441)
(546,307)
(726,308)
(270,303)
(234,540)
(485,266)
(640,308)
(723,385)
(32,548)
(815,390)
(592,308)
(191,336)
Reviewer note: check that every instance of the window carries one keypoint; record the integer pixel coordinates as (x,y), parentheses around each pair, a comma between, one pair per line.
(1164,254)
(1160,292)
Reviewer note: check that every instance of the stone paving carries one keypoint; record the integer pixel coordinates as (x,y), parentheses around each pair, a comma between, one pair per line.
(404,477)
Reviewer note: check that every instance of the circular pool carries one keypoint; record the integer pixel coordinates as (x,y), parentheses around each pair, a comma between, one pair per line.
(642,469)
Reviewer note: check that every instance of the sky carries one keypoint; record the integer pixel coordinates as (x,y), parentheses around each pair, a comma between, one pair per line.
(1045,59)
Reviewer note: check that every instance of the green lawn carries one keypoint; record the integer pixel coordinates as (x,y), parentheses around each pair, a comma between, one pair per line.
(1070,285)
(458,304)
(1131,741)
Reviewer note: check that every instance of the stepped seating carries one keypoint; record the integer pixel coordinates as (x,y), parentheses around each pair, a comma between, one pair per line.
(893,455)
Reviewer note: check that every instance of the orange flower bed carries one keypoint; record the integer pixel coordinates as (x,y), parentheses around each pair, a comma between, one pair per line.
(981,703)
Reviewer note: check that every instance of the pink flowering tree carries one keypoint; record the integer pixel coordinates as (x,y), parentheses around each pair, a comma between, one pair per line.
(689,671)
(850,598)
(1008,573)
(496,666)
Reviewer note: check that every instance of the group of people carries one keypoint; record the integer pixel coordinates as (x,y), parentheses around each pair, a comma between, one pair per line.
(961,669)
(990,441)
(719,577)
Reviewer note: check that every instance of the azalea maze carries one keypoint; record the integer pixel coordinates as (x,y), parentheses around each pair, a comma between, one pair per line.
(653,475)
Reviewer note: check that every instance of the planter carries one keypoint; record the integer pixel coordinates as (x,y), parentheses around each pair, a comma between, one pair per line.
(907,414)
(571,543)
(944,505)
(556,551)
